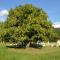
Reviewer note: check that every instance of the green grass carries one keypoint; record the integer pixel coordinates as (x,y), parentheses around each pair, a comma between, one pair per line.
(29,53)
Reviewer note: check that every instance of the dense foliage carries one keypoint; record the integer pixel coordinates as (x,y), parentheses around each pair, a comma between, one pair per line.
(27,23)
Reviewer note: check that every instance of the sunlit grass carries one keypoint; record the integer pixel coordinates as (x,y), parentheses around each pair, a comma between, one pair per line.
(52,53)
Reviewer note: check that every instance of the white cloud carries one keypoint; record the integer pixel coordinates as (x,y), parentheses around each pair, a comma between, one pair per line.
(4,12)
(56,25)
(3,15)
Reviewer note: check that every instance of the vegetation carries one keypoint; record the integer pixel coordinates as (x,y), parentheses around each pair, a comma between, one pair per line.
(57,30)
(27,24)
(52,53)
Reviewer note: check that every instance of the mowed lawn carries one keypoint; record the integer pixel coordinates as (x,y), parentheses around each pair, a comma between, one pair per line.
(48,53)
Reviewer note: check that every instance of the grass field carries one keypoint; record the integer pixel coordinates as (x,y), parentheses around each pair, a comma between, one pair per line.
(29,53)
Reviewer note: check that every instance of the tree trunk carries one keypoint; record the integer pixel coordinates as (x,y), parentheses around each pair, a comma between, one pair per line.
(28,45)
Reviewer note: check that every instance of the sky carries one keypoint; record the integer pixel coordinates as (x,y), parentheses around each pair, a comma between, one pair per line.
(52,7)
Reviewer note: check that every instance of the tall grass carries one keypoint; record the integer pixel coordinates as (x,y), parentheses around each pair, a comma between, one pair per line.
(29,53)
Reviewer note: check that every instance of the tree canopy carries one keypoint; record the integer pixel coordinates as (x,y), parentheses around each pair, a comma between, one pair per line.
(27,23)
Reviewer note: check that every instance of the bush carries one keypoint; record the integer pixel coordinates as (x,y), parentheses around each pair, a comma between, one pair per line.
(35,45)
(17,45)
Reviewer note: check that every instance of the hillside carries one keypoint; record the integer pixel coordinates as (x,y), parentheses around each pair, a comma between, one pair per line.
(57,30)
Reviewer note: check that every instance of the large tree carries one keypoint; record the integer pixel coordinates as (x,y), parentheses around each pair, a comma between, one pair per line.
(28,23)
